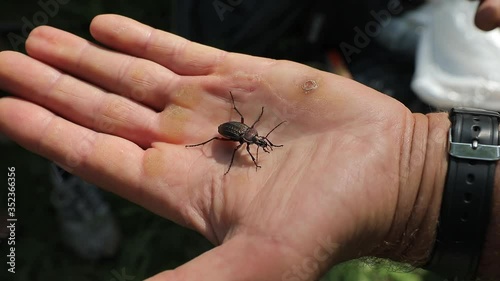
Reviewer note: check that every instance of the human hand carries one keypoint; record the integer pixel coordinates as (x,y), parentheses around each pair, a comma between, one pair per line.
(347,178)
(488,15)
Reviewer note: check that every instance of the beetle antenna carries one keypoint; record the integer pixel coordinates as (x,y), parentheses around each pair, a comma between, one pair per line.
(275,128)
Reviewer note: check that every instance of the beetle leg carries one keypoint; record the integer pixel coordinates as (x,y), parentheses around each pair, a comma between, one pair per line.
(257,156)
(258,118)
(232,157)
(234,107)
(253,158)
(205,142)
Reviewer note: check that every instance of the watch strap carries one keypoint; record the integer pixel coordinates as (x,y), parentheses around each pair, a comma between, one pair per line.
(467,193)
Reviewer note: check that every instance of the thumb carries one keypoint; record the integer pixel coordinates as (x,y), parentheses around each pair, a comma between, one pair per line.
(244,259)
(488,15)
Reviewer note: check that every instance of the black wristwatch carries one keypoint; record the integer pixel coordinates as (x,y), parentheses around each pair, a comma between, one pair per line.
(466,205)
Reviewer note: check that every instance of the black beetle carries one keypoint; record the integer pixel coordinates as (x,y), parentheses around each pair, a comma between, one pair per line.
(240,132)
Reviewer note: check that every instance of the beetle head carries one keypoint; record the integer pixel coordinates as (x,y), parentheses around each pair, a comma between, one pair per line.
(261,141)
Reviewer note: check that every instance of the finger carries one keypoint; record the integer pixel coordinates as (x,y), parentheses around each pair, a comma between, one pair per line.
(110,162)
(178,54)
(79,150)
(488,15)
(132,77)
(237,259)
(78,101)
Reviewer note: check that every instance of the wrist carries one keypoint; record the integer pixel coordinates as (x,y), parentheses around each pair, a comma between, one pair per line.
(418,232)
(413,230)
(428,207)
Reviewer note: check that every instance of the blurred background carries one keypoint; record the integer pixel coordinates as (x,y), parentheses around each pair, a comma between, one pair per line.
(70,230)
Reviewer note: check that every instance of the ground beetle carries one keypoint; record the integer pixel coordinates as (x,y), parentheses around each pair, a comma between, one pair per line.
(240,132)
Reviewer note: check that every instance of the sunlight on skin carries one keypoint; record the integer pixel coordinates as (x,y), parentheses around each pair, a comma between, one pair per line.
(336,121)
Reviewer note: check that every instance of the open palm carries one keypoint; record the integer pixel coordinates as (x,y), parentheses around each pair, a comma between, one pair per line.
(121,116)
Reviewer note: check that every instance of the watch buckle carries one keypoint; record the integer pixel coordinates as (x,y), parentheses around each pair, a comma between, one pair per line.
(474,150)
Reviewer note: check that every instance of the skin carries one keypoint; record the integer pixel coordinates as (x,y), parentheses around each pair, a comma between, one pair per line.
(358,173)
(488,15)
